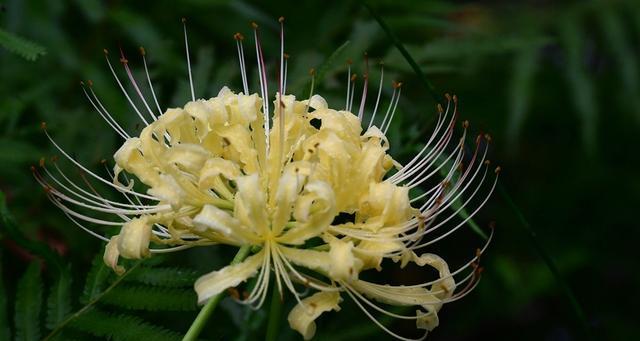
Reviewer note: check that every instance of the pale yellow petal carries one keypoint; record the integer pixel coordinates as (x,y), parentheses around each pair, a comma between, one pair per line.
(214,219)
(302,317)
(111,255)
(344,266)
(250,204)
(134,239)
(314,211)
(218,281)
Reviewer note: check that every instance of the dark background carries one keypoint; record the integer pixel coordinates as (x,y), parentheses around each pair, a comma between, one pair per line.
(557,84)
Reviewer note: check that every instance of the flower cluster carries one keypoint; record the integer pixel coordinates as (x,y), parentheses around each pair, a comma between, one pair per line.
(309,188)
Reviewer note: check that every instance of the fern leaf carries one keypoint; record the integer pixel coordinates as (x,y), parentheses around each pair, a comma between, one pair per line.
(151,298)
(28,304)
(59,301)
(21,46)
(121,327)
(96,279)
(166,276)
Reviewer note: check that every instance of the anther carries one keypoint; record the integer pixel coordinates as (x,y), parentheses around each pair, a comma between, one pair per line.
(33,168)
(238,36)
(487,137)
(487,162)
(54,159)
(281,20)
(354,77)
(41,162)
(349,61)
(440,109)
(123,60)
(455,99)
(285,56)
(184,20)
(396,85)
(90,83)
(103,161)
(142,51)
(498,169)
(448,97)
(492,224)
(254,25)
(465,124)
(43,125)
(312,72)
(478,252)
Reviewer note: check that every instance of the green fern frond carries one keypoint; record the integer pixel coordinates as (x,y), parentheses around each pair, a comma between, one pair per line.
(59,301)
(151,298)
(21,46)
(96,279)
(29,304)
(164,276)
(121,327)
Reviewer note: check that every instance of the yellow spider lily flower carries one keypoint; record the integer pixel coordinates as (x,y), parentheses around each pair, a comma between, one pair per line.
(305,185)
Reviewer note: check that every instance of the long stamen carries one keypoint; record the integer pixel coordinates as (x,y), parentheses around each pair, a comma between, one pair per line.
(125,63)
(243,71)
(113,72)
(365,87)
(110,121)
(263,83)
(375,109)
(143,52)
(398,86)
(186,48)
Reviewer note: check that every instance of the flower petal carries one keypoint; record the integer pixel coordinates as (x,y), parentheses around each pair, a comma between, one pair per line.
(314,212)
(111,255)
(134,238)
(250,204)
(216,282)
(302,316)
(215,219)
(344,266)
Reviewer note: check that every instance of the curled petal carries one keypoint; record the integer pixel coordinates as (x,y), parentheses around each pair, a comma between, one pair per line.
(134,238)
(111,255)
(311,259)
(344,266)
(215,219)
(302,316)
(216,282)
(314,211)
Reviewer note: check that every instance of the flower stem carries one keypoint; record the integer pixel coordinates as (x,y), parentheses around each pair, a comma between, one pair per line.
(274,315)
(210,306)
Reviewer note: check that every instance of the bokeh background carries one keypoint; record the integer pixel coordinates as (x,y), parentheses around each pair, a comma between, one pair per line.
(557,84)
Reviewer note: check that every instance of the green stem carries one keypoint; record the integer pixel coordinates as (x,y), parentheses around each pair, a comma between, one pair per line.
(533,237)
(274,315)
(75,315)
(210,306)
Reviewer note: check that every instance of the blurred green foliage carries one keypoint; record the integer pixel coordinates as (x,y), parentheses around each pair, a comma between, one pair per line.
(557,85)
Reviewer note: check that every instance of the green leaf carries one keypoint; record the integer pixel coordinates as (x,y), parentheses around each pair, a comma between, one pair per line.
(28,304)
(21,46)
(59,301)
(121,327)
(151,298)
(164,276)
(337,55)
(96,280)
(524,68)
(579,82)
(5,329)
